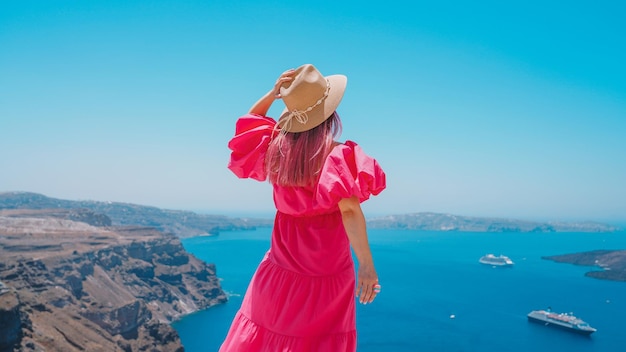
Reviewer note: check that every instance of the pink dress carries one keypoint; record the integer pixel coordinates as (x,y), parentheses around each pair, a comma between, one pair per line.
(302,295)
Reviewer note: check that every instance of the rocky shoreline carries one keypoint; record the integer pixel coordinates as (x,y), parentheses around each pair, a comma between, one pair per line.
(69,285)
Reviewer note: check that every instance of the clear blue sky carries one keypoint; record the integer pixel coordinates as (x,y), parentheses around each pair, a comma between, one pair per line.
(488,108)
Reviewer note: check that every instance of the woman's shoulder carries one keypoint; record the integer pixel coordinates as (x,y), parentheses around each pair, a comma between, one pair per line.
(347,153)
(348,172)
(249,145)
(347,143)
(249,122)
(347,146)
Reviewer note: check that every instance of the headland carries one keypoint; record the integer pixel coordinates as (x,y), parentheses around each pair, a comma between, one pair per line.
(71,281)
(611,264)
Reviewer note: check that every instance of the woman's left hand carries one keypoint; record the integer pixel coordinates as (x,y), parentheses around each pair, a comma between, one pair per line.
(366,282)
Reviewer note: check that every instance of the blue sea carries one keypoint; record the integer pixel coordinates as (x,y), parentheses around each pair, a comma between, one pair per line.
(430,277)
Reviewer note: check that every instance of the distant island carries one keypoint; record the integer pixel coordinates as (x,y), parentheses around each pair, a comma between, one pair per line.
(448,222)
(611,263)
(188,224)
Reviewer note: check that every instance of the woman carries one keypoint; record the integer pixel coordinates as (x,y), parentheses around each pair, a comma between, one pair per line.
(301,297)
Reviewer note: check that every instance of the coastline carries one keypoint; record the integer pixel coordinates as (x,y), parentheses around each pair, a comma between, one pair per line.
(446,279)
(611,263)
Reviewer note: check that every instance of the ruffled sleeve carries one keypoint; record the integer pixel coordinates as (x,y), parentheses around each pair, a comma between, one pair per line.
(348,172)
(249,146)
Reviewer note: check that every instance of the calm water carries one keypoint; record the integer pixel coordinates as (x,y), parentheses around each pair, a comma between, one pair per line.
(428,276)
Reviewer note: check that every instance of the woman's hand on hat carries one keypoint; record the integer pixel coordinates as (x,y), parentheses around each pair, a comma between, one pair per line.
(285,77)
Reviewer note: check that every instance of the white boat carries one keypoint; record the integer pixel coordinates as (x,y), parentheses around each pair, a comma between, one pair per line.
(500,260)
(565,321)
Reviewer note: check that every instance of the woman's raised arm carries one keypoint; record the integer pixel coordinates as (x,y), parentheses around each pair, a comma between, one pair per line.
(263,105)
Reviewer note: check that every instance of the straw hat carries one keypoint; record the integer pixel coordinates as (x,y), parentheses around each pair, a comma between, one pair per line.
(310,99)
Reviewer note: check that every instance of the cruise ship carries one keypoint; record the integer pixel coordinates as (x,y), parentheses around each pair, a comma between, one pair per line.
(500,260)
(565,321)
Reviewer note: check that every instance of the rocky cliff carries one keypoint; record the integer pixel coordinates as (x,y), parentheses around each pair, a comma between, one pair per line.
(81,285)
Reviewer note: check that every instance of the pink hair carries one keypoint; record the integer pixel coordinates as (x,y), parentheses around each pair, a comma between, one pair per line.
(296,159)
